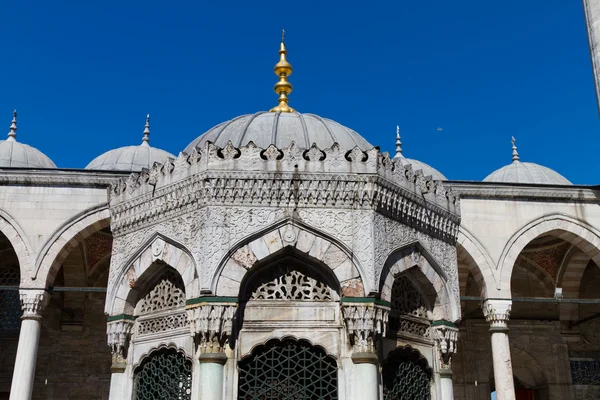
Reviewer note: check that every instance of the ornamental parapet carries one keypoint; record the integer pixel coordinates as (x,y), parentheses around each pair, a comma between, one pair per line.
(289,177)
(366,323)
(211,323)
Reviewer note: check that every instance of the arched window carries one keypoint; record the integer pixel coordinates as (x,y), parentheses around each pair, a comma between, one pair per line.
(287,369)
(406,376)
(409,309)
(165,374)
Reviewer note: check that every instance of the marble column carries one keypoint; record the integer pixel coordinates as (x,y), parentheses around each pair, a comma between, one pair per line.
(211,324)
(33,303)
(366,324)
(118,334)
(497,313)
(446,340)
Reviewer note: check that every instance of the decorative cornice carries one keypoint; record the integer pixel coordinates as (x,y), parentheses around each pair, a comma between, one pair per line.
(524,192)
(59,177)
(288,177)
(33,303)
(366,324)
(446,339)
(118,335)
(211,324)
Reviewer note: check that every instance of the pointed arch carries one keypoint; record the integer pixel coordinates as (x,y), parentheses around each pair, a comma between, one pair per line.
(65,239)
(15,235)
(292,236)
(414,260)
(578,233)
(478,261)
(157,253)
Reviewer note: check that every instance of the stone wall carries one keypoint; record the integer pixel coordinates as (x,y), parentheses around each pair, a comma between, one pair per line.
(73,364)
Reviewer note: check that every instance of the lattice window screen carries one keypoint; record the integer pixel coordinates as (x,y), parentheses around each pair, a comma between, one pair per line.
(167,294)
(408,309)
(293,285)
(10,306)
(165,374)
(288,370)
(406,377)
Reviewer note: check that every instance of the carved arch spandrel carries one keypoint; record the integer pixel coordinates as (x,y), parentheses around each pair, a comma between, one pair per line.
(414,260)
(576,232)
(299,238)
(65,239)
(157,253)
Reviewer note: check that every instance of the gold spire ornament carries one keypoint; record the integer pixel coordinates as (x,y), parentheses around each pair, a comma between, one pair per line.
(283,88)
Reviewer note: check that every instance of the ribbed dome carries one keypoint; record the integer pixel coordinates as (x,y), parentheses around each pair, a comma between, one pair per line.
(525,172)
(19,155)
(280,129)
(131,158)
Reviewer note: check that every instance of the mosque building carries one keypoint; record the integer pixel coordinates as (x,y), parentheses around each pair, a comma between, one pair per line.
(281,255)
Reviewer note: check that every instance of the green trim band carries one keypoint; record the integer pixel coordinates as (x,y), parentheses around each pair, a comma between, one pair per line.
(366,300)
(443,322)
(119,317)
(211,299)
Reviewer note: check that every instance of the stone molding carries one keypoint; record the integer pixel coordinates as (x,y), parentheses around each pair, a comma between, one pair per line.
(211,325)
(366,324)
(231,176)
(33,303)
(60,177)
(497,313)
(446,339)
(118,336)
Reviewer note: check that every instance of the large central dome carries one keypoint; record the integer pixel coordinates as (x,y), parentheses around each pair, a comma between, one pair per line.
(280,129)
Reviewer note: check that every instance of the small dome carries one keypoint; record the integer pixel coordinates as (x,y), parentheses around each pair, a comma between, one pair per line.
(19,155)
(525,172)
(280,129)
(417,165)
(131,158)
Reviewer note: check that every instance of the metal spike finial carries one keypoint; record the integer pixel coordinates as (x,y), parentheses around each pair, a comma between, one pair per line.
(515,153)
(398,143)
(283,69)
(146,137)
(12,133)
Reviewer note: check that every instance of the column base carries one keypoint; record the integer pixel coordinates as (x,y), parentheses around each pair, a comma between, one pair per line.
(216,358)
(365,358)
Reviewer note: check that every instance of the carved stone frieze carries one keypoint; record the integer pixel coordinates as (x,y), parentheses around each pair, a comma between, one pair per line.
(118,335)
(211,325)
(446,340)
(366,324)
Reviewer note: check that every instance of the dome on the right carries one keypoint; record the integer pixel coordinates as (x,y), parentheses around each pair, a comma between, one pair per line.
(525,172)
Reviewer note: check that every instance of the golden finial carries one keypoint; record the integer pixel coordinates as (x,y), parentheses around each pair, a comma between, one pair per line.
(283,69)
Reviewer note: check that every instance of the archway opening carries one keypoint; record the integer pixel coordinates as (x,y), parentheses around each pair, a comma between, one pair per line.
(406,375)
(164,374)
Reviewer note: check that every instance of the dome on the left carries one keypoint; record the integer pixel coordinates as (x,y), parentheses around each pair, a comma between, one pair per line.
(131,158)
(14,154)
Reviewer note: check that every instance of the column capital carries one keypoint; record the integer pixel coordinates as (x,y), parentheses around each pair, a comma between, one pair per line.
(33,303)
(211,325)
(497,313)
(366,323)
(446,340)
(118,335)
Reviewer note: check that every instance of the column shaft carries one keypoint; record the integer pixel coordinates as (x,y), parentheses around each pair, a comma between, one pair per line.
(446,386)
(24,372)
(503,375)
(211,375)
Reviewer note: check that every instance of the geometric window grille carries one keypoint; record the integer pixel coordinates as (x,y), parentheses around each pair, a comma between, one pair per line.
(165,374)
(293,285)
(406,376)
(287,370)
(409,309)
(167,294)
(585,372)
(10,305)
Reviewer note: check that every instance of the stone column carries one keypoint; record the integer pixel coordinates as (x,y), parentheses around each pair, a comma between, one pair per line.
(118,334)
(366,324)
(211,324)
(33,303)
(497,313)
(446,340)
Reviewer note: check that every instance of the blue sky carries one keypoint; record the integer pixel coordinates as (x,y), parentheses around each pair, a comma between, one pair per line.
(84,74)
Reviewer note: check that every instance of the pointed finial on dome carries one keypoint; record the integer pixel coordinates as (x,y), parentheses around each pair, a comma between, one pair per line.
(12,134)
(146,137)
(283,70)
(398,143)
(515,153)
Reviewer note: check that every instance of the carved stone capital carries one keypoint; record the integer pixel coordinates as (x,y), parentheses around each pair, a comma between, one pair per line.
(497,313)
(446,340)
(211,325)
(118,335)
(366,323)
(33,303)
